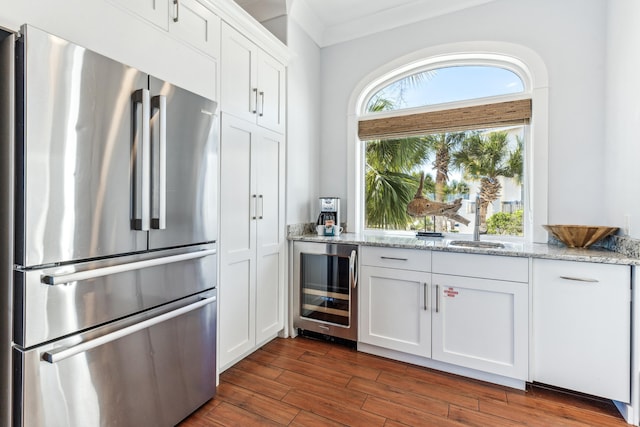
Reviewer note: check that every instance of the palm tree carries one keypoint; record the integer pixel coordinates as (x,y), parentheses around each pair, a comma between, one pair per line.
(443,145)
(389,183)
(485,157)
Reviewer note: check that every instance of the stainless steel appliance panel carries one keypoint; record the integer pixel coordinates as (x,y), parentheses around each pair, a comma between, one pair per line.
(135,372)
(58,301)
(7,132)
(75,155)
(184,188)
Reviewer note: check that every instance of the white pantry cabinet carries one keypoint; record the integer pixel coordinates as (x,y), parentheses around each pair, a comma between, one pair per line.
(187,20)
(394,299)
(251,288)
(253,82)
(582,327)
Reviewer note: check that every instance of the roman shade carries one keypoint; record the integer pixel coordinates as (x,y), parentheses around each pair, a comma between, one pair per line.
(483,116)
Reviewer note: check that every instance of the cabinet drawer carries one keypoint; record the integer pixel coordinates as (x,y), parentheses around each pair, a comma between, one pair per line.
(513,269)
(405,259)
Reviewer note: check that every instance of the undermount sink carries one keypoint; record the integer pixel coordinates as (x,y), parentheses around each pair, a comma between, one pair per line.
(476,244)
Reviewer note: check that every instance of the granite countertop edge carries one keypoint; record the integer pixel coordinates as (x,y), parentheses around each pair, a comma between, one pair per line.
(519,249)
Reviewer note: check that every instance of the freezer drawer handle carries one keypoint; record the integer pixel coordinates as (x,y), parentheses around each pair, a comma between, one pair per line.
(59,355)
(121,268)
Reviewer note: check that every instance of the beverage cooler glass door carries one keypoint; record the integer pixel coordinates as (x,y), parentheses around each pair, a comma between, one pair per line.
(325,288)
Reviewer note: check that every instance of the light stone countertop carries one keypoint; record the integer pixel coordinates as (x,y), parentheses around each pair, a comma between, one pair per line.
(512,248)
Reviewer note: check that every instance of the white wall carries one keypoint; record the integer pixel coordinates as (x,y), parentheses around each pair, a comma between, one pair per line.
(568,35)
(303,127)
(622,139)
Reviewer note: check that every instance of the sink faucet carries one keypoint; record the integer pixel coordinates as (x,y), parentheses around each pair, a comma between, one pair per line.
(476,224)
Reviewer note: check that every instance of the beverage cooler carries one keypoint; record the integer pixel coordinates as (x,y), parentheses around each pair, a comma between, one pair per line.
(325,294)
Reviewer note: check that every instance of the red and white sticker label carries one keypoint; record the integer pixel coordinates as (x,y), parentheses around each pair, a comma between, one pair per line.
(450,292)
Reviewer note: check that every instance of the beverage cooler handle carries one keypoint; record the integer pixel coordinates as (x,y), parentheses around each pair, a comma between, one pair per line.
(142,165)
(353,273)
(56,356)
(159,189)
(61,279)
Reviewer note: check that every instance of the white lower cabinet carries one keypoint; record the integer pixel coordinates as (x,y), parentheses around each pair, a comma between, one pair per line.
(582,327)
(481,324)
(424,303)
(394,309)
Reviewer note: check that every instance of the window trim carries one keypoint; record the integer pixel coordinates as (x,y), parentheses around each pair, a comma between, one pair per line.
(521,60)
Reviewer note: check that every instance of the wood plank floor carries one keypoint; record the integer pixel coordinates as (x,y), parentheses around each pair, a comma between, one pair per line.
(304,382)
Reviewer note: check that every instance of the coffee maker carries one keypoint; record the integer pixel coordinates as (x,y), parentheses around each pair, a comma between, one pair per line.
(329,215)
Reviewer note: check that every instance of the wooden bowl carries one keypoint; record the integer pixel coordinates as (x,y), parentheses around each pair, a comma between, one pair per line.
(579,236)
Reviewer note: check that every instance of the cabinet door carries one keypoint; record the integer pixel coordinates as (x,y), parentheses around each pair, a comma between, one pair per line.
(581,327)
(481,324)
(238,65)
(196,25)
(268,160)
(271,93)
(237,240)
(394,310)
(155,11)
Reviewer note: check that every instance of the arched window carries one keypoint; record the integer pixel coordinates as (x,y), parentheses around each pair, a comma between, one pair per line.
(437,135)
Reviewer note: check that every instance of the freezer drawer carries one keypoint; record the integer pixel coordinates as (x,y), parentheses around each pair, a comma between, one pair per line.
(59,301)
(154,375)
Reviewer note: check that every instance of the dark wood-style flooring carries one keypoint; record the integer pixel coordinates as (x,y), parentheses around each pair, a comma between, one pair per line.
(304,382)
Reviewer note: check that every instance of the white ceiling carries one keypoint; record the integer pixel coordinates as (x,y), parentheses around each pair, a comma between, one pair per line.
(334,21)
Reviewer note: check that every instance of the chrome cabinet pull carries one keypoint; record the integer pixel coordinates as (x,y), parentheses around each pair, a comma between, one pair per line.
(261,200)
(425,296)
(353,274)
(142,163)
(56,356)
(52,279)
(254,197)
(394,258)
(159,189)
(254,100)
(580,279)
(261,104)
(437,298)
(176,16)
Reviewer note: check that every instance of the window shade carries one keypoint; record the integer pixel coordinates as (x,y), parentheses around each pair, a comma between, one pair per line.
(452,120)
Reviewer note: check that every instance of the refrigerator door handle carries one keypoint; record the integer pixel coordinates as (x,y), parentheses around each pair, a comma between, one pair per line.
(159,188)
(50,279)
(142,164)
(65,353)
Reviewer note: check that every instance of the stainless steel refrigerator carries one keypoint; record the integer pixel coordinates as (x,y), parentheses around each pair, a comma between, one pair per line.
(112,180)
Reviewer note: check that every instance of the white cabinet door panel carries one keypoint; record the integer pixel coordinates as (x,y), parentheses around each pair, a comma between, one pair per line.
(481,324)
(394,310)
(236,308)
(581,327)
(271,92)
(196,25)
(238,70)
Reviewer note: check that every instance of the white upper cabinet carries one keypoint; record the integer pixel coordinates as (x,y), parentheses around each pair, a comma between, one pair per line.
(253,86)
(154,11)
(195,24)
(187,20)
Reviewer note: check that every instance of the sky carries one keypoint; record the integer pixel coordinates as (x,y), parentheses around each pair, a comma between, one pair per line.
(456,84)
